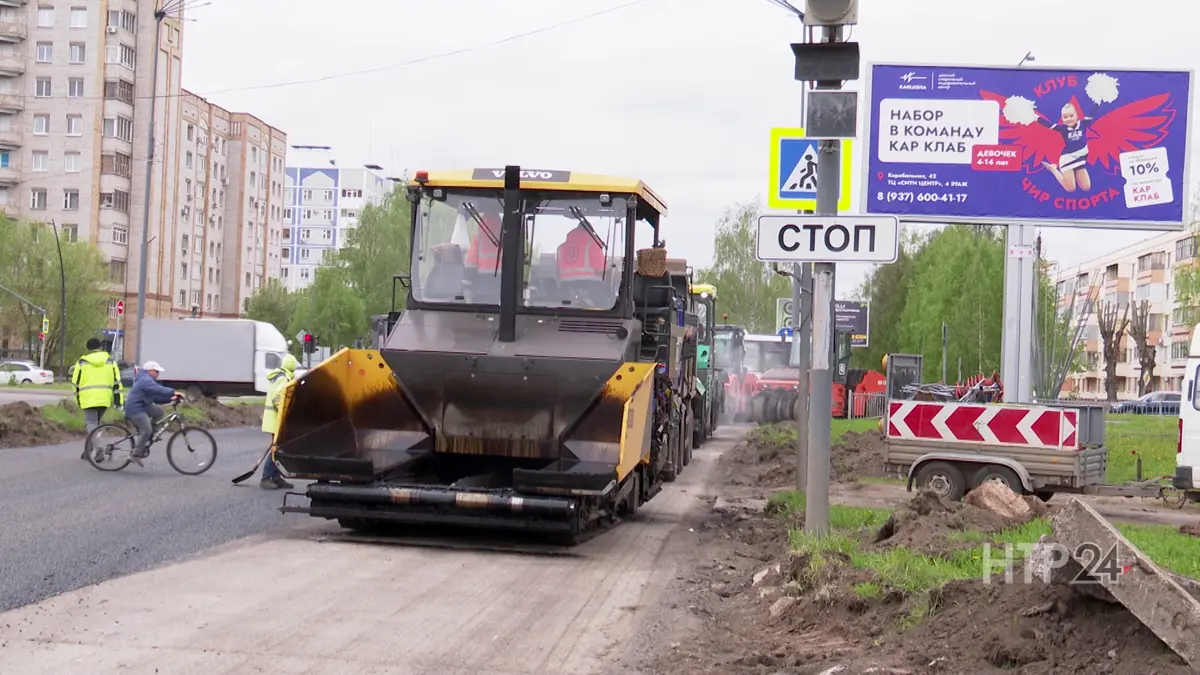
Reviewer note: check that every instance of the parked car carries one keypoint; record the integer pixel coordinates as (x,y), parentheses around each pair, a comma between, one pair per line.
(24,372)
(1154,403)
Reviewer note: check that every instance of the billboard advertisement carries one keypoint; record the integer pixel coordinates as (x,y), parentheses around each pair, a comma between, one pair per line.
(1080,148)
(849,316)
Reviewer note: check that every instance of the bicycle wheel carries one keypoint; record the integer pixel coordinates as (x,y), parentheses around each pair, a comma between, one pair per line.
(199,450)
(109,447)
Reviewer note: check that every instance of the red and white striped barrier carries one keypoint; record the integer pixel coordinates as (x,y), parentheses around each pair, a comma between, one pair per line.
(1035,426)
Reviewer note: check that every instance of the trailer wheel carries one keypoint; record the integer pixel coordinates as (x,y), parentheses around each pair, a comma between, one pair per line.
(1005,475)
(944,480)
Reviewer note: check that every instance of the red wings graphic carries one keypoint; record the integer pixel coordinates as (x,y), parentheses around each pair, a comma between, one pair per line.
(1134,126)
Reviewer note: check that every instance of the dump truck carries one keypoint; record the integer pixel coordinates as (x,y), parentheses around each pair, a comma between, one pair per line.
(552,402)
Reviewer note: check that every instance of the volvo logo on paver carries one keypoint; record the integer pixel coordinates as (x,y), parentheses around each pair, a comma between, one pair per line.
(834,239)
(541,175)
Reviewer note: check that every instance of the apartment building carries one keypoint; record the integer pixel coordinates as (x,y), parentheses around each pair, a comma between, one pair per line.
(75,83)
(1145,271)
(323,204)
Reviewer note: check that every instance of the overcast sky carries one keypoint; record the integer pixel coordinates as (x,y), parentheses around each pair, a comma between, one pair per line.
(681,93)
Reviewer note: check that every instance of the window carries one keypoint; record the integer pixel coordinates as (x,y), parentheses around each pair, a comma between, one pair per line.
(187,159)
(122,20)
(70,200)
(45,52)
(116,200)
(183,271)
(41,125)
(78,52)
(79,17)
(70,232)
(116,271)
(117,164)
(74,125)
(43,87)
(120,235)
(5,160)
(119,127)
(183,298)
(45,17)
(183,243)
(38,199)
(75,87)
(119,90)
(72,162)
(41,160)
(122,54)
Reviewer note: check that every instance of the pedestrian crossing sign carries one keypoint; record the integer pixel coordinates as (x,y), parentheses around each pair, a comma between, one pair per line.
(794,172)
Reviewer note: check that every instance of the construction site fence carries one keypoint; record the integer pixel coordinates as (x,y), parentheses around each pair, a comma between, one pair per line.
(867,406)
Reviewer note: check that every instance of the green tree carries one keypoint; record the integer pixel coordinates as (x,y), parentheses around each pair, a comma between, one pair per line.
(376,250)
(1187,276)
(331,309)
(272,303)
(29,266)
(747,289)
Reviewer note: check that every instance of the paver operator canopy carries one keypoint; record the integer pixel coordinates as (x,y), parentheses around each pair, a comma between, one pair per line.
(524,376)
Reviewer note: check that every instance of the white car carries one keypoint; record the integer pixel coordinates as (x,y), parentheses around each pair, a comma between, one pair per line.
(24,372)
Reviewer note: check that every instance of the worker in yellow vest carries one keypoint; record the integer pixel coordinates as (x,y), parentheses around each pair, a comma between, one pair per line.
(272,478)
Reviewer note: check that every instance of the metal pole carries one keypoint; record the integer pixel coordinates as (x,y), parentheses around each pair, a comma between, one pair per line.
(820,411)
(945,346)
(802,336)
(42,352)
(62,310)
(159,15)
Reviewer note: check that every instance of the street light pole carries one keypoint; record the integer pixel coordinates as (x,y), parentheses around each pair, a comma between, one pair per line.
(62,308)
(159,15)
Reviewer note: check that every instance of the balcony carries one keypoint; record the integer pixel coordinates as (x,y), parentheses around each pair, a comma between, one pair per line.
(11,103)
(12,65)
(10,175)
(13,31)
(10,139)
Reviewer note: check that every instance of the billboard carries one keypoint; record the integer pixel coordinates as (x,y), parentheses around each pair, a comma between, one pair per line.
(849,316)
(853,317)
(1076,148)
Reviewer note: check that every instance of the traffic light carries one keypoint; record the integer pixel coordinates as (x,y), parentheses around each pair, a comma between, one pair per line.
(310,343)
(42,336)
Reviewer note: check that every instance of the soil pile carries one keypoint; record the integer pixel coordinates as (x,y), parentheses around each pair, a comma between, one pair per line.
(759,609)
(22,425)
(768,456)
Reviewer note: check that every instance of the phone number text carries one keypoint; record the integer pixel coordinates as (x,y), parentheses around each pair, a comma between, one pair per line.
(910,197)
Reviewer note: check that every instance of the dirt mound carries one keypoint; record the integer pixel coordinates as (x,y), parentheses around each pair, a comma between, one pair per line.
(22,425)
(858,454)
(768,456)
(931,525)
(758,610)
(1033,629)
(217,415)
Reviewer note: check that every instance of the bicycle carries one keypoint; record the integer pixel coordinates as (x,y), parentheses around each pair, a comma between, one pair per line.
(111,445)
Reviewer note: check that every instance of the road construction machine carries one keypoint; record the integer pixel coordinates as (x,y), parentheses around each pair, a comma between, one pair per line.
(508,393)
(856,392)
(709,368)
(761,353)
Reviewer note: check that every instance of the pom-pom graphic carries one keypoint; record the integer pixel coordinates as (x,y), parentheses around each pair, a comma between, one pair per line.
(1020,110)
(1101,88)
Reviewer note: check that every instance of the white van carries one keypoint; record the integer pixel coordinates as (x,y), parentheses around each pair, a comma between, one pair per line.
(1187,449)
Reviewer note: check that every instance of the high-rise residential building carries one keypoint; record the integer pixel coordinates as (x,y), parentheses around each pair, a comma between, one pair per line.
(75,104)
(1123,278)
(230,169)
(323,203)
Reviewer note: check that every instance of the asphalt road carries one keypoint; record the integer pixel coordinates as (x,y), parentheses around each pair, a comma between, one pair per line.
(67,525)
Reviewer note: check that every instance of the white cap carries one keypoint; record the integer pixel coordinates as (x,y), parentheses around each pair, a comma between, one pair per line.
(152,365)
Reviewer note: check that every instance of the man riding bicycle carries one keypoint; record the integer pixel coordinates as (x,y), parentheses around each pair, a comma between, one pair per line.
(140,408)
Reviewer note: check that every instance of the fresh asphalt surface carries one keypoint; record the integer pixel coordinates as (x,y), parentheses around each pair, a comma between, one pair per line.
(65,525)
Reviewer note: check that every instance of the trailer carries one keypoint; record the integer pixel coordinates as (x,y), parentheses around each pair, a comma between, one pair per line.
(951,447)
